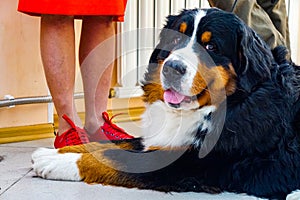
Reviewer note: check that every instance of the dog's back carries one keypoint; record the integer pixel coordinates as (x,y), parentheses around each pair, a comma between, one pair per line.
(290,77)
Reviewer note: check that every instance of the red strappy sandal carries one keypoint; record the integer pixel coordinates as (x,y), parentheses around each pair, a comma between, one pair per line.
(73,136)
(109,130)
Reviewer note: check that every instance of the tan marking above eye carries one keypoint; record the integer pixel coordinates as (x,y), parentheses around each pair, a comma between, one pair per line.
(183,27)
(160,62)
(206,37)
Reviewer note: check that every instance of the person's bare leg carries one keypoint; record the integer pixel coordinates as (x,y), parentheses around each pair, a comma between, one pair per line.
(58,56)
(96,56)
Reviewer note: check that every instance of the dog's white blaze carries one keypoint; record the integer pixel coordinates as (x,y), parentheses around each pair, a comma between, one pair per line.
(167,127)
(49,164)
(188,56)
(200,14)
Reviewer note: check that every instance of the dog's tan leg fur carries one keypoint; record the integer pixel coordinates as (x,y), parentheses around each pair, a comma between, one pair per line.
(94,146)
(85,148)
(96,168)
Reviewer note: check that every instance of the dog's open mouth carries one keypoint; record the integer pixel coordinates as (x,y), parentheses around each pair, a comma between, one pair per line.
(174,99)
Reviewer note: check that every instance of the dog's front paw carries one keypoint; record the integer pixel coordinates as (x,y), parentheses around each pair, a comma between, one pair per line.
(295,195)
(49,164)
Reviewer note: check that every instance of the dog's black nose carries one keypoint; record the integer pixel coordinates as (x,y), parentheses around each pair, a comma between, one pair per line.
(174,68)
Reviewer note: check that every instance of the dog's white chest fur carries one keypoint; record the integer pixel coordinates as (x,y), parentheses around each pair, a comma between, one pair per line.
(167,127)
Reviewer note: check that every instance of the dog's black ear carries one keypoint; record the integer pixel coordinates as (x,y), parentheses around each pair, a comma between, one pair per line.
(255,58)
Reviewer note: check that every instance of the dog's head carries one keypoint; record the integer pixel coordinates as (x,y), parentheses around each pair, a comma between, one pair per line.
(202,53)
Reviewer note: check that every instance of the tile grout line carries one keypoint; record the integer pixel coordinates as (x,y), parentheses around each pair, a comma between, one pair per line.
(14,183)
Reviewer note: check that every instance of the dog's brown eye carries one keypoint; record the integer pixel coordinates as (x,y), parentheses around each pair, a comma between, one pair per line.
(210,47)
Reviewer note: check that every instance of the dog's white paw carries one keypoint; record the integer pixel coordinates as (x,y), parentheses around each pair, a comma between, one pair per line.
(295,195)
(43,152)
(49,164)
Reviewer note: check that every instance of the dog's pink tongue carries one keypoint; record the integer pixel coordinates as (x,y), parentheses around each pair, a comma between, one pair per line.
(173,97)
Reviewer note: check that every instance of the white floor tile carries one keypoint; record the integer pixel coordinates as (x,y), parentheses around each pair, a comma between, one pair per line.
(34,188)
(16,164)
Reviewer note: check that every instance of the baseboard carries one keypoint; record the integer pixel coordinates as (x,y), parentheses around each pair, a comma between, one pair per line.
(41,131)
(26,133)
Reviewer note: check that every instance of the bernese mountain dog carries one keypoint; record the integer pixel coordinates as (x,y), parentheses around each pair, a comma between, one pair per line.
(222,114)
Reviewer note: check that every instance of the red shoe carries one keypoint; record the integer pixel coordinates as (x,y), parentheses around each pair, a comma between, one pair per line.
(73,136)
(109,131)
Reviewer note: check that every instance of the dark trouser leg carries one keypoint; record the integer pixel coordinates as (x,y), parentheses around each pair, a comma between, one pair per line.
(255,17)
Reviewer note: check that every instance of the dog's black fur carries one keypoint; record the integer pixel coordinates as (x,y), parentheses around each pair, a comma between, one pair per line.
(258,150)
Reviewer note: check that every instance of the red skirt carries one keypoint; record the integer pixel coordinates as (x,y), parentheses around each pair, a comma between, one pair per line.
(77,8)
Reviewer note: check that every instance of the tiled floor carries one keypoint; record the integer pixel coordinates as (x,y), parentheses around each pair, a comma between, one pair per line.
(17,181)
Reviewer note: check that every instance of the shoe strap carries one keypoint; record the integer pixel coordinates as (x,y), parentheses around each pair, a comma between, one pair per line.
(80,133)
(109,121)
(70,122)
